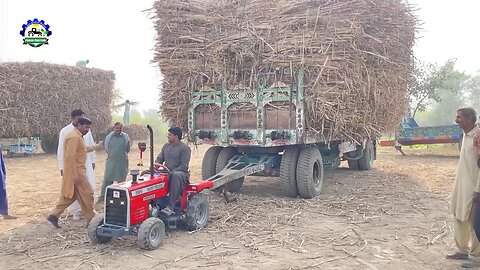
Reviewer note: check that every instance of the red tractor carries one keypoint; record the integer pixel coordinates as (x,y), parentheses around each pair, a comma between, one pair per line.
(134,207)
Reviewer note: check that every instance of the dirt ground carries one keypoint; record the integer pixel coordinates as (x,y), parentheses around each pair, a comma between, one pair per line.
(395,216)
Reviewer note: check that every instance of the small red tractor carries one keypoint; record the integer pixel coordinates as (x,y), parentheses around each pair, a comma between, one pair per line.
(134,207)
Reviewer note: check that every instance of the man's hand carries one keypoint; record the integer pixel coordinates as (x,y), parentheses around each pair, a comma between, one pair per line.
(476,196)
(93,166)
(61,172)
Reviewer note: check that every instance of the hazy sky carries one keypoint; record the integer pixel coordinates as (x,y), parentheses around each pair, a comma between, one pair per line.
(116,35)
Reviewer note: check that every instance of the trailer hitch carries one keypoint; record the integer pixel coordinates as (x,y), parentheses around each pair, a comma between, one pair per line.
(229,197)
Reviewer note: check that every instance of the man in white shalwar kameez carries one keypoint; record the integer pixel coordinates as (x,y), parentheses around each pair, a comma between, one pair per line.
(465,193)
(74,209)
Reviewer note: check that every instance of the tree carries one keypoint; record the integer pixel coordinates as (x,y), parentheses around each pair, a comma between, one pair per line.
(473,92)
(429,79)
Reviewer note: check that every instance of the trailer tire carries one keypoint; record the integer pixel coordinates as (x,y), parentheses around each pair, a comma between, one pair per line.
(353,164)
(209,162)
(151,233)
(49,146)
(197,212)
(309,172)
(225,155)
(365,163)
(288,171)
(92,231)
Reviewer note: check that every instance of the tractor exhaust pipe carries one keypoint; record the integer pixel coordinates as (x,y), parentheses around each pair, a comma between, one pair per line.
(151,151)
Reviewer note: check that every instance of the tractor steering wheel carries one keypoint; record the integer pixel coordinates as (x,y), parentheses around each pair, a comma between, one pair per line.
(157,168)
(161,168)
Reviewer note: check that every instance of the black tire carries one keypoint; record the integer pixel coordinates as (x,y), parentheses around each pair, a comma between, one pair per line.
(49,146)
(197,212)
(96,222)
(209,162)
(353,164)
(365,163)
(309,172)
(151,233)
(225,155)
(288,171)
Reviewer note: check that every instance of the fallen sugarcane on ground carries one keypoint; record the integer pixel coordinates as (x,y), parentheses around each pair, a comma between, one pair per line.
(392,217)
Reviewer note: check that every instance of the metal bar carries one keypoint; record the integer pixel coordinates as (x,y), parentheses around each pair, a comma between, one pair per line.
(228,175)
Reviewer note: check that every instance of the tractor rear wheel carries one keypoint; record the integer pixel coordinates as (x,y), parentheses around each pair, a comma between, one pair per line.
(151,233)
(223,157)
(197,212)
(309,172)
(96,222)
(209,162)
(288,170)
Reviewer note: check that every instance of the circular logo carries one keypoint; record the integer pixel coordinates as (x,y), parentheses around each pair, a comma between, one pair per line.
(35,33)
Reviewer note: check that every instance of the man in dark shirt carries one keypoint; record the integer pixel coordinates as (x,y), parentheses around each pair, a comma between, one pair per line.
(175,155)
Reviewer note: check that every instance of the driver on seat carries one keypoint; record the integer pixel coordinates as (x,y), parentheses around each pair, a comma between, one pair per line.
(175,155)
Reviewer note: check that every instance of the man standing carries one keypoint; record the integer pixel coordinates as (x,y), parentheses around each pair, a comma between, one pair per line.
(176,156)
(465,193)
(117,146)
(75,185)
(3,190)
(74,209)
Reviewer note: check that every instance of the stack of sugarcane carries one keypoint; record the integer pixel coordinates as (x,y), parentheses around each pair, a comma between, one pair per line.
(37,98)
(356,55)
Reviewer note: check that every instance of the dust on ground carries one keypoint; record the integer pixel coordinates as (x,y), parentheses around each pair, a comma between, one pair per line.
(395,216)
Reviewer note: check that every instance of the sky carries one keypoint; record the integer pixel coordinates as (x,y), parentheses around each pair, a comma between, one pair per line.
(118,36)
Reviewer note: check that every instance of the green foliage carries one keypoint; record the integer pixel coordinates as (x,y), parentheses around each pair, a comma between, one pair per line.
(117,98)
(473,92)
(151,118)
(431,82)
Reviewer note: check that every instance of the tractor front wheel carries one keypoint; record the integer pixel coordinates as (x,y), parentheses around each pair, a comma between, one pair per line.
(96,222)
(151,233)
(197,212)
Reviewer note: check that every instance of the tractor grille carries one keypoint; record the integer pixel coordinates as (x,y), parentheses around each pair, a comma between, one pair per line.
(116,206)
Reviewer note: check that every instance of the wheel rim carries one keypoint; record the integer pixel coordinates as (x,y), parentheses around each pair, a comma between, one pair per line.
(155,236)
(201,214)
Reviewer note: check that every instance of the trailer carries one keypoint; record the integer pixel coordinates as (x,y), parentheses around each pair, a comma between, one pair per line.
(262,132)
(25,146)
(410,133)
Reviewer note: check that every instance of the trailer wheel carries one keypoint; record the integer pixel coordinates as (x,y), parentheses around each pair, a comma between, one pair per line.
(151,233)
(288,170)
(309,172)
(209,162)
(225,155)
(353,164)
(197,212)
(365,163)
(49,146)
(96,222)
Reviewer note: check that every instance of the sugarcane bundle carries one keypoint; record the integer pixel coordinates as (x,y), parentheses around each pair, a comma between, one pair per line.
(356,55)
(37,97)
